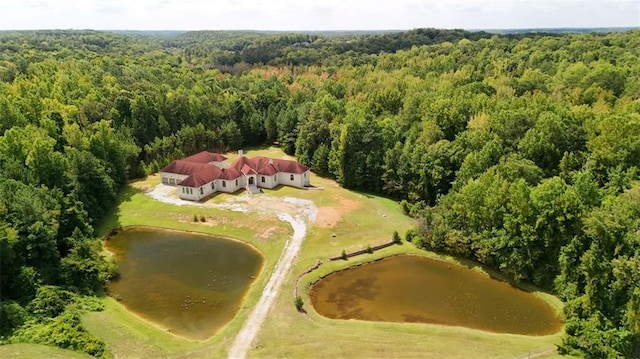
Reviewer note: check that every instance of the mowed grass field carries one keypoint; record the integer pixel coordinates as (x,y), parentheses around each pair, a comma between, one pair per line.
(346,220)
(24,351)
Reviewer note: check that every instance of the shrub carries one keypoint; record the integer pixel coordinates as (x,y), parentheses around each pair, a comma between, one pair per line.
(203,219)
(299,303)
(410,235)
(84,269)
(343,255)
(49,302)
(12,316)
(405,206)
(112,269)
(369,250)
(396,237)
(86,303)
(195,218)
(65,331)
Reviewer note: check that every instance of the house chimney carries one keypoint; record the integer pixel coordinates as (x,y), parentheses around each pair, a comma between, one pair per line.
(270,161)
(240,153)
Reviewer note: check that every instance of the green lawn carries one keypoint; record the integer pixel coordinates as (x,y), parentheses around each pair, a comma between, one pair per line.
(129,336)
(24,351)
(317,336)
(346,220)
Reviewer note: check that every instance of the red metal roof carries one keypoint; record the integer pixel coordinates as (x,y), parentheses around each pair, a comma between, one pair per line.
(205,157)
(247,170)
(269,167)
(241,162)
(202,177)
(263,166)
(184,167)
(230,174)
(289,166)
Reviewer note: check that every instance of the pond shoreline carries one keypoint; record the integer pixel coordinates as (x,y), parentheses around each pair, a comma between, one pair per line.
(189,284)
(495,306)
(301,211)
(480,268)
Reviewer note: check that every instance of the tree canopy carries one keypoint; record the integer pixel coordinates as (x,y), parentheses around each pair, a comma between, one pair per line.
(521,152)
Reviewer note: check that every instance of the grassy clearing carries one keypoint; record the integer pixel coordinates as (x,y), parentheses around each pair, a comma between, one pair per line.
(346,220)
(287,333)
(37,351)
(129,336)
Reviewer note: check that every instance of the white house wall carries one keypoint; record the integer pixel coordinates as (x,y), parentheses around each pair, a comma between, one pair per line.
(188,193)
(230,185)
(167,178)
(269,181)
(285,179)
(306,178)
(256,180)
(194,193)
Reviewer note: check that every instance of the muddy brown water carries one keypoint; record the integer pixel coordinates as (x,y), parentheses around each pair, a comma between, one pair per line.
(418,289)
(189,284)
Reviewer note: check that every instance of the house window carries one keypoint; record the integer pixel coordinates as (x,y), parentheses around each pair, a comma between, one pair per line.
(274,177)
(224,183)
(213,185)
(201,191)
(291,177)
(304,174)
(190,190)
(236,182)
(262,179)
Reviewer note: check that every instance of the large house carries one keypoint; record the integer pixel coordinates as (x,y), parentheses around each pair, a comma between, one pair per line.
(205,173)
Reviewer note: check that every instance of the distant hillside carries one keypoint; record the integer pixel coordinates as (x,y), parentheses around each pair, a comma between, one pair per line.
(559,30)
(227,48)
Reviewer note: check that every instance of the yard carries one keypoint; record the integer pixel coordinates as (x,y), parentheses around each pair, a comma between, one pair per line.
(344,220)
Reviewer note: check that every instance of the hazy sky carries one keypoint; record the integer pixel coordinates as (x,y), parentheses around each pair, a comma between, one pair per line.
(314,15)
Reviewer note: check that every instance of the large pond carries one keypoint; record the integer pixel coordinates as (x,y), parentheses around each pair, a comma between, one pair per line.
(418,289)
(189,284)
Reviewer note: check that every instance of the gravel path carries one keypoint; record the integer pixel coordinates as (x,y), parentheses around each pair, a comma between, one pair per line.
(251,327)
(294,211)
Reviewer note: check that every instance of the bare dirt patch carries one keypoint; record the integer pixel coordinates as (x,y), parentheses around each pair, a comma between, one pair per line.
(218,222)
(267,232)
(329,217)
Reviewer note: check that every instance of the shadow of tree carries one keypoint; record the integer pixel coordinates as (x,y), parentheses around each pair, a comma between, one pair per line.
(112,219)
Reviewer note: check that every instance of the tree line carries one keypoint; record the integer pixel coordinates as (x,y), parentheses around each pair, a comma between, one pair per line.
(519,151)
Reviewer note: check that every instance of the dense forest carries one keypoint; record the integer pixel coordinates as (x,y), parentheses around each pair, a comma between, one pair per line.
(521,152)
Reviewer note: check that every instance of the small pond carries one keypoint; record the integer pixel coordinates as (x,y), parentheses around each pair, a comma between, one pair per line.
(190,284)
(418,289)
